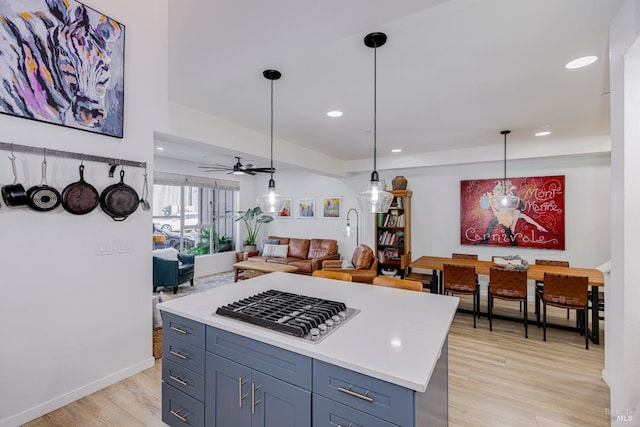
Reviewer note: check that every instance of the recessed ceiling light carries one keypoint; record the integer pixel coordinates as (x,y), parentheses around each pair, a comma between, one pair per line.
(543,133)
(160,148)
(581,62)
(396,150)
(334,113)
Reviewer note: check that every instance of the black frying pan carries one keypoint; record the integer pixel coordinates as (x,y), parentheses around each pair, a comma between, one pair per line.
(43,197)
(80,197)
(119,200)
(14,194)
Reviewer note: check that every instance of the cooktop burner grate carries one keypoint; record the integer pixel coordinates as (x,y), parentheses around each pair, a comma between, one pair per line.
(297,315)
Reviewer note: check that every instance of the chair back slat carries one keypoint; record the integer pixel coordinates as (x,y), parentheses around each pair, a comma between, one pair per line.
(392,282)
(465,256)
(565,291)
(507,283)
(552,262)
(336,275)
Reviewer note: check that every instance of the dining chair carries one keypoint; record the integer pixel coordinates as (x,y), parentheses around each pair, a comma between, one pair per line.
(508,285)
(539,284)
(392,282)
(568,292)
(461,280)
(335,275)
(474,257)
(427,280)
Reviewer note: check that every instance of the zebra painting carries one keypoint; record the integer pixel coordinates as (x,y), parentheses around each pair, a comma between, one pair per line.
(62,62)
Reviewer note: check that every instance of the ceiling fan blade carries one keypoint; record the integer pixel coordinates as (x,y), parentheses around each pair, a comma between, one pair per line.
(265,170)
(250,172)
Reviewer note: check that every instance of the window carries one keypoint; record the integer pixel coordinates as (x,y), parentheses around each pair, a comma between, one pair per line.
(189,213)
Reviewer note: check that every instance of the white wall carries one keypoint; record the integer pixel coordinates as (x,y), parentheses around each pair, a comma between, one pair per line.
(622,351)
(436,207)
(72,321)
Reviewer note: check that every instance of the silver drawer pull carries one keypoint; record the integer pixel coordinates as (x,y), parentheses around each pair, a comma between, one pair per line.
(182,331)
(350,425)
(254,402)
(180,417)
(180,355)
(178,380)
(354,394)
(241,397)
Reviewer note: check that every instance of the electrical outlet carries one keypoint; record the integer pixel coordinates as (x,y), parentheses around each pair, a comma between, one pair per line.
(104,247)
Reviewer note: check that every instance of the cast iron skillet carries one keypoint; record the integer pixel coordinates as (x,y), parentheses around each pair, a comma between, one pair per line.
(119,200)
(43,197)
(80,197)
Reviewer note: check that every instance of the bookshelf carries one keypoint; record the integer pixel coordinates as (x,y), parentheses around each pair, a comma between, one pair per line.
(393,232)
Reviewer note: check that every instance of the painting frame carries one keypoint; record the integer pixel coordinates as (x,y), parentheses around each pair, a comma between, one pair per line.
(286,211)
(70,36)
(306,208)
(331,207)
(537,222)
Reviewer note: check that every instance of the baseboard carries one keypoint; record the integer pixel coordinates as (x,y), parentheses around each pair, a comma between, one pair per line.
(58,402)
(605,378)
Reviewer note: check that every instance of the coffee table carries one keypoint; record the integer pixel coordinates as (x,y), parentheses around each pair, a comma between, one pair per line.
(260,267)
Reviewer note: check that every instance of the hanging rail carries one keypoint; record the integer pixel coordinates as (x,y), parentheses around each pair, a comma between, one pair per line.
(113,162)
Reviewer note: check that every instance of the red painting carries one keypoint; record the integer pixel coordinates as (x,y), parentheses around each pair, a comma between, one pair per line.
(536,220)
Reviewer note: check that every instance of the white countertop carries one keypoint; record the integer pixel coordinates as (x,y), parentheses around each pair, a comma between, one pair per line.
(397,335)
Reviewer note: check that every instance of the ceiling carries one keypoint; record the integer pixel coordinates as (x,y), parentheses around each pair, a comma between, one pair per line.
(451,75)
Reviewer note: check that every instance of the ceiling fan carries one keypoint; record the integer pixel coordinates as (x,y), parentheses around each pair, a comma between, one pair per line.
(237,169)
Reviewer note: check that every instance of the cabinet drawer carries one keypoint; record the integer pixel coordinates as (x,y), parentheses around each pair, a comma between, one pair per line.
(282,364)
(187,355)
(183,379)
(367,394)
(327,413)
(180,410)
(183,329)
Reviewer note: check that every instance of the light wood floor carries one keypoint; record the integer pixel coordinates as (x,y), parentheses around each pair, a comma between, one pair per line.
(496,379)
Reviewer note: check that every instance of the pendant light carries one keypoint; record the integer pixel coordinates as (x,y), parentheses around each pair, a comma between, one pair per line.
(505,200)
(375,199)
(271,202)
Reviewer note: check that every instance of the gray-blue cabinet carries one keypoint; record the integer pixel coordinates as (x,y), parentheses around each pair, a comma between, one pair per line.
(215,378)
(253,384)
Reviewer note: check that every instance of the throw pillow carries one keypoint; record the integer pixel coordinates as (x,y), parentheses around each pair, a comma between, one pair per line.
(278,251)
(267,242)
(170,254)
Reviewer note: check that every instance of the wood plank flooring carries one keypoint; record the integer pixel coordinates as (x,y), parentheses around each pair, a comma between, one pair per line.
(496,379)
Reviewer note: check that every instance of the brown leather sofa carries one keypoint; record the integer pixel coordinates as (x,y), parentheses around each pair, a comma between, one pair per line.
(365,265)
(306,254)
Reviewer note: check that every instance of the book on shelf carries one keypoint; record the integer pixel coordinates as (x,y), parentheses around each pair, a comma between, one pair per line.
(388,255)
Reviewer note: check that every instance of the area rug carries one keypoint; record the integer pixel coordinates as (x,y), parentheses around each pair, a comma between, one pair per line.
(199,285)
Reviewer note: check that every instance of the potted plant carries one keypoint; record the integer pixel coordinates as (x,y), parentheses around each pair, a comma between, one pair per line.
(253,220)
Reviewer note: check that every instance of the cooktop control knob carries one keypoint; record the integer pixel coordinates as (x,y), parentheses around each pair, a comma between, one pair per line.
(342,315)
(336,319)
(322,328)
(329,323)
(315,334)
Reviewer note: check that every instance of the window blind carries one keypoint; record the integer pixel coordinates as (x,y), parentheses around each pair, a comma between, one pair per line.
(165,178)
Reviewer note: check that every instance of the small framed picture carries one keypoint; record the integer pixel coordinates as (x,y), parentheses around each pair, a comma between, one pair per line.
(306,208)
(285,212)
(331,207)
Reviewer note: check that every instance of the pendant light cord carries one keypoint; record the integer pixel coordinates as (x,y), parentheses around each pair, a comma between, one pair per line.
(505,161)
(375,103)
(271,171)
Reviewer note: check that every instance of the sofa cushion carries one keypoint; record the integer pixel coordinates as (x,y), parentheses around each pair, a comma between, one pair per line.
(298,248)
(362,257)
(319,248)
(278,251)
(304,266)
(267,242)
(282,240)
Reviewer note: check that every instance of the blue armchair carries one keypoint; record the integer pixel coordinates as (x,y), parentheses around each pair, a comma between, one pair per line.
(172,273)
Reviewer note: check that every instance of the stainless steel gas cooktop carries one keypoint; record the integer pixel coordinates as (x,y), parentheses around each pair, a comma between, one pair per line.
(301,316)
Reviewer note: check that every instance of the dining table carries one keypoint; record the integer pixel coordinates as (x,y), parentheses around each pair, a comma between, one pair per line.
(534,272)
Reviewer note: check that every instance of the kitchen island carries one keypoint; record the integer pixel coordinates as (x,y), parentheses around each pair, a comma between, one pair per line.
(385,366)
